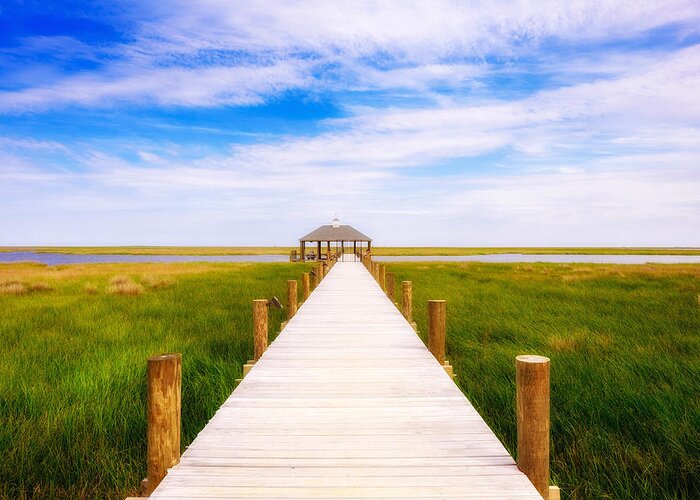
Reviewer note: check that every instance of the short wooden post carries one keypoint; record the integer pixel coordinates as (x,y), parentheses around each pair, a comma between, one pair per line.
(554,493)
(532,397)
(248,366)
(260,337)
(319,271)
(164,405)
(390,286)
(291,298)
(305,285)
(407,303)
(437,312)
(382,276)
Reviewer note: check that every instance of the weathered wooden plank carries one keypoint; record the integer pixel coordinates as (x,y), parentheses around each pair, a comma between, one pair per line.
(346,403)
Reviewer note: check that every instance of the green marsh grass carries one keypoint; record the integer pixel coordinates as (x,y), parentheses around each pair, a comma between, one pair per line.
(625,348)
(73,364)
(624,343)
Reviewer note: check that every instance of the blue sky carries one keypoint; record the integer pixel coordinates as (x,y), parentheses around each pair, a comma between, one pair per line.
(448,123)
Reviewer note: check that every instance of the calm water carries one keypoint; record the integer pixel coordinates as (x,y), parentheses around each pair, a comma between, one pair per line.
(560,258)
(54,259)
(61,258)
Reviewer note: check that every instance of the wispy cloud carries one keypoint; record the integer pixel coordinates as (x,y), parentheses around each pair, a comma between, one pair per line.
(210,53)
(487,123)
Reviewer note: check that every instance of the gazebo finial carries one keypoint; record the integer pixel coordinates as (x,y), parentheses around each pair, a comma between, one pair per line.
(336,221)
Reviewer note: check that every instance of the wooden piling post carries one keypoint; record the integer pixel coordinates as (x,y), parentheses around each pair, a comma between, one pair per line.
(437,312)
(554,493)
(291,298)
(382,276)
(305,285)
(260,331)
(532,397)
(407,303)
(248,366)
(390,286)
(164,406)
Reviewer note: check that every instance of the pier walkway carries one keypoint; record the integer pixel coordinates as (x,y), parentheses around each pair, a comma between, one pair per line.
(346,403)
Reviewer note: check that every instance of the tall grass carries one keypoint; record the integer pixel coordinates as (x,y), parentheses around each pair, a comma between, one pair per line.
(625,348)
(624,343)
(73,365)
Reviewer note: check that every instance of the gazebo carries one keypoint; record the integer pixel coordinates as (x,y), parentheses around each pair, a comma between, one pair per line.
(336,234)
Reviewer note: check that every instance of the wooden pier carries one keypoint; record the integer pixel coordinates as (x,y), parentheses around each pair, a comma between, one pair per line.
(346,403)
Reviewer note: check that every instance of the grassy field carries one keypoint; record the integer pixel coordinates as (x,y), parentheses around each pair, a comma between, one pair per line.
(73,347)
(625,348)
(155,250)
(624,343)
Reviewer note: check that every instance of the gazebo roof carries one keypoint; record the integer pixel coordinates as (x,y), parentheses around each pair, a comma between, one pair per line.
(342,232)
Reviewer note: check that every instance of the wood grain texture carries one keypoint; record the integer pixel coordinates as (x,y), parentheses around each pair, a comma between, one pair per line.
(305,286)
(164,405)
(347,402)
(437,316)
(291,298)
(407,300)
(532,398)
(390,286)
(260,328)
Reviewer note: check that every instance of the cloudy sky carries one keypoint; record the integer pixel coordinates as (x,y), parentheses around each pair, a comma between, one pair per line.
(444,122)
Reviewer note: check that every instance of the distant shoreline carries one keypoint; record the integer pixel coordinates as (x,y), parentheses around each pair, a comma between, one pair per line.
(378,251)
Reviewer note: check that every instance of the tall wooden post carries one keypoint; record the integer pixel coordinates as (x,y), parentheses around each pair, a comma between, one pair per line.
(532,397)
(390,286)
(164,406)
(260,331)
(407,303)
(437,312)
(382,276)
(291,298)
(305,285)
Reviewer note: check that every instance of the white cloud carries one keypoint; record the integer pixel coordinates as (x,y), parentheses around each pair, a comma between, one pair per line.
(413,29)
(215,52)
(614,159)
(165,86)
